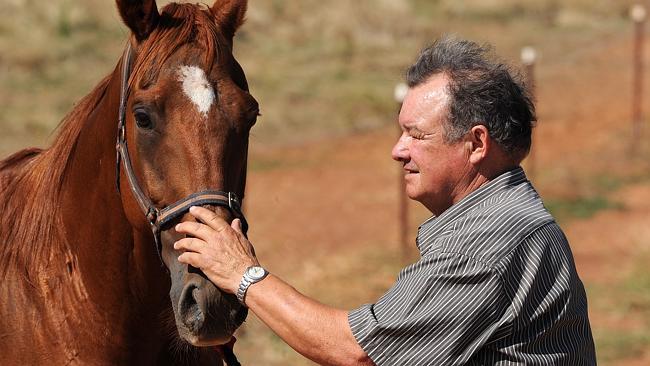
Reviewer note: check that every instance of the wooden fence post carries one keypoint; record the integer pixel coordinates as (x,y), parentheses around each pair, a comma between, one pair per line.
(638,15)
(528,59)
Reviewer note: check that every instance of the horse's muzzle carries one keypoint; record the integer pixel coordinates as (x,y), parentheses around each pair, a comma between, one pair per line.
(205,315)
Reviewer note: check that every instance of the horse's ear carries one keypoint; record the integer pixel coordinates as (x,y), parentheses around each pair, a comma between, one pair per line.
(230,14)
(141,16)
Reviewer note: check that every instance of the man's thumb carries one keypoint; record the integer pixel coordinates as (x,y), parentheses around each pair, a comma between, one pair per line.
(236,225)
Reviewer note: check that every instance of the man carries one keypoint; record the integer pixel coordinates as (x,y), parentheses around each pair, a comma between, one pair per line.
(496,283)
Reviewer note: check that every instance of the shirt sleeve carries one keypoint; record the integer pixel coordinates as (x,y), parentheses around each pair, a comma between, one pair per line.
(440,311)
(548,302)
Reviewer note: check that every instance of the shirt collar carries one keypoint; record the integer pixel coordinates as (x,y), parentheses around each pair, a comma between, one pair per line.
(435,224)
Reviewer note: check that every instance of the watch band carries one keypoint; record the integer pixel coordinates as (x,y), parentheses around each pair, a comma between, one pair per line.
(247,280)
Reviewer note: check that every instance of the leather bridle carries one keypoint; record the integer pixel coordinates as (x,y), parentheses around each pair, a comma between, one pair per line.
(159,218)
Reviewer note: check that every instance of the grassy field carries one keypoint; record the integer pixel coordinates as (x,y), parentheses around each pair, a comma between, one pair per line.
(324,74)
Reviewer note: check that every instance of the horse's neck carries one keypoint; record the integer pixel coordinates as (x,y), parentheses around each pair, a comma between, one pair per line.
(111,260)
(117,267)
(95,226)
(92,287)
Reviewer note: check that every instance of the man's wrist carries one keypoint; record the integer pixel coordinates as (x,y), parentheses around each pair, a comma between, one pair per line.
(251,276)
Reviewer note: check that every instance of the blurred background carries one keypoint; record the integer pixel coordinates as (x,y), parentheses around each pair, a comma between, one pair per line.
(323,194)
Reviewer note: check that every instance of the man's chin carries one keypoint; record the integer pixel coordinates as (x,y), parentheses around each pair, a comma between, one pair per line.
(413,193)
(411,181)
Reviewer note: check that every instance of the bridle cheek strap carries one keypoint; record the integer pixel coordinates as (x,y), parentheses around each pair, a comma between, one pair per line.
(159,219)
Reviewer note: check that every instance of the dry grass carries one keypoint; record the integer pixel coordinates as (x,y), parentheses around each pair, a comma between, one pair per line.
(317,67)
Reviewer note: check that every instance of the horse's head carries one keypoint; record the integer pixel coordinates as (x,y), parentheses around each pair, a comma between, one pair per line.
(188,115)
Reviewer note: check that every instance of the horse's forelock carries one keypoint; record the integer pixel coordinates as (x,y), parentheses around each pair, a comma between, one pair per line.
(179,24)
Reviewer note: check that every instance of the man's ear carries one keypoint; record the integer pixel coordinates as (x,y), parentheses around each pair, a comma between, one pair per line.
(141,16)
(230,15)
(479,141)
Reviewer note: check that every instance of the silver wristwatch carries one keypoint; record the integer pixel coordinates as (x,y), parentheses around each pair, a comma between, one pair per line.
(252,275)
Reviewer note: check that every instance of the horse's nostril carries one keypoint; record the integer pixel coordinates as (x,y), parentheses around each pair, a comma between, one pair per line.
(190,310)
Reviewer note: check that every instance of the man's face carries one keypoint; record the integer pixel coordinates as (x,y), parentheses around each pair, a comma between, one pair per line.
(433,169)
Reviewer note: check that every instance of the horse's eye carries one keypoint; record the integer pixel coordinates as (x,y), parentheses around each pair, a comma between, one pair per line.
(142,119)
(253,120)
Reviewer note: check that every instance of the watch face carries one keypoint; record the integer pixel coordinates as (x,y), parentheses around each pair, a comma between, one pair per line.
(256,272)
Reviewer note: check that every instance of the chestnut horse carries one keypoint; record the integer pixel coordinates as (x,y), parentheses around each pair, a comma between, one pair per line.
(82,281)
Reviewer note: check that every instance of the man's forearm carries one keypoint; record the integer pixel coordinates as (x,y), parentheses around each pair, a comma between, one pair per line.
(319,332)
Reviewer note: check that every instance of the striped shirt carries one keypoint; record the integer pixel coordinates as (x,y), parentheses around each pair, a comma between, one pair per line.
(496,284)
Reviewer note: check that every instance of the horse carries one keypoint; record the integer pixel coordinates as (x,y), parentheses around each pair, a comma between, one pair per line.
(89,272)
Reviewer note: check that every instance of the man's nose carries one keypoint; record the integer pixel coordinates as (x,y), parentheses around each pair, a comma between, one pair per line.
(400,149)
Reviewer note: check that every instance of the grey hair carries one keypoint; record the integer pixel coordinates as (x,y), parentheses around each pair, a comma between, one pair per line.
(482,91)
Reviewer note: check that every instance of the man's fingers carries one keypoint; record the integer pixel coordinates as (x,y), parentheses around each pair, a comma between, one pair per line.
(191,258)
(190,244)
(209,218)
(195,229)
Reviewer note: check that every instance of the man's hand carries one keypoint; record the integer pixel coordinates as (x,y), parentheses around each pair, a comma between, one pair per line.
(220,250)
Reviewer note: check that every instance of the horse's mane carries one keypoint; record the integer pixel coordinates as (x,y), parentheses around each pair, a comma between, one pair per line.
(31,180)
(29,199)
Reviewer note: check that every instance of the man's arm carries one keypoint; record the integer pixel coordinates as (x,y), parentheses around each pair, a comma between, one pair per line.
(318,332)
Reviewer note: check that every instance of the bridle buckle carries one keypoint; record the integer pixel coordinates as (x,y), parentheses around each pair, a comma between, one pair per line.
(152,215)
(233,203)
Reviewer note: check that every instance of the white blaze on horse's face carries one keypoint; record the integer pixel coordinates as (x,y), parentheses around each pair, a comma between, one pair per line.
(197,87)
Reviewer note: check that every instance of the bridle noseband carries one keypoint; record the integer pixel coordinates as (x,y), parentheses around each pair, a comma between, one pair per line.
(159,218)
